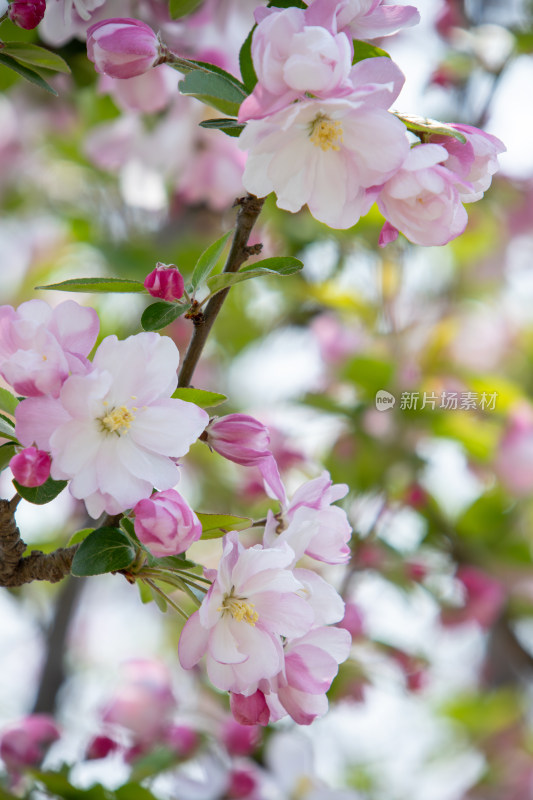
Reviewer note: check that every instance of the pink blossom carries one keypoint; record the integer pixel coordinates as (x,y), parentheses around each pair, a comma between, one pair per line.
(122,47)
(26,13)
(166,523)
(182,739)
(353,620)
(24,743)
(250,709)
(115,432)
(484,600)
(251,604)
(40,346)
(475,161)
(239,438)
(31,467)
(362,19)
(243,784)
(212,174)
(327,153)
(422,199)
(291,58)
(150,92)
(165,282)
(310,524)
(239,740)
(514,459)
(100,747)
(143,701)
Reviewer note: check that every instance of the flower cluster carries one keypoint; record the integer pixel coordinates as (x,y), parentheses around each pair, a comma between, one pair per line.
(266,625)
(319,132)
(110,425)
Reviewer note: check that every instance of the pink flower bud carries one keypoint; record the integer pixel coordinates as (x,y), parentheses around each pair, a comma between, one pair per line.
(239,438)
(31,467)
(353,620)
(100,747)
(24,744)
(242,784)
(251,710)
(239,740)
(182,739)
(165,282)
(26,13)
(122,47)
(166,524)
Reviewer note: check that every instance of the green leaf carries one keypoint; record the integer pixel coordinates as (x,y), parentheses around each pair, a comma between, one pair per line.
(215,90)
(429,126)
(8,401)
(161,314)
(60,786)
(246,64)
(200,397)
(157,760)
(216,525)
(7,429)
(159,600)
(40,495)
(208,260)
(176,562)
(286,4)
(96,285)
(231,127)
(180,8)
(79,536)
(185,66)
(285,265)
(26,73)
(7,451)
(38,56)
(363,50)
(104,550)
(132,791)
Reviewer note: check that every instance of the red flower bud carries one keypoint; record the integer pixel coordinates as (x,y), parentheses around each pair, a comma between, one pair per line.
(26,13)
(165,282)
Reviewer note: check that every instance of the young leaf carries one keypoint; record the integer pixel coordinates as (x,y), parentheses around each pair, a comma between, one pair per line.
(269,266)
(104,550)
(37,56)
(246,64)
(26,73)
(7,451)
(96,285)
(429,126)
(161,314)
(40,495)
(216,525)
(227,125)
(215,90)
(7,431)
(186,65)
(362,50)
(79,536)
(200,397)
(8,401)
(286,4)
(179,8)
(208,260)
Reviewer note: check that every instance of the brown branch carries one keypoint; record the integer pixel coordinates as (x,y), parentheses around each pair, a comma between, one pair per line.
(250,208)
(16,570)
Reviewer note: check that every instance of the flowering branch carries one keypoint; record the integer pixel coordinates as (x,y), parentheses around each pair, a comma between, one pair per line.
(38,566)
(250,208)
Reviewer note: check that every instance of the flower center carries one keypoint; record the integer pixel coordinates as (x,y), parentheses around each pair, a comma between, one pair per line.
(326,133)
(240,609)
(118,420)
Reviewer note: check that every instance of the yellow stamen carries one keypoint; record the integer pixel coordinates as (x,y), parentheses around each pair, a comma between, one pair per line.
(326,133)
(239,609)
(118,420)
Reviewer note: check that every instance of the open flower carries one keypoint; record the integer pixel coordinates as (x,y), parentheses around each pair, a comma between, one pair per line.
(115,432)
(362,19)
(251,604)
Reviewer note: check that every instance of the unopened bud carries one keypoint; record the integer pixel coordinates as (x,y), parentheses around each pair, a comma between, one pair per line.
(165,282)
(26,13)
(122,47)
(31,467)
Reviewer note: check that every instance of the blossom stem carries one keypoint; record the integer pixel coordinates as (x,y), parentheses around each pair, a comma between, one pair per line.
(153,586)
(250,208)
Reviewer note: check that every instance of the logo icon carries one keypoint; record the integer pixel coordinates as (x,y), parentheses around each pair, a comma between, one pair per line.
(384,400)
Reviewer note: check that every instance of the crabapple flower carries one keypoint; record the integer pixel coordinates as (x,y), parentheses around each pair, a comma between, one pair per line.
(310,524)
(150,92)
(166,523)
(250,709)
(327,153)
(239,438)
(24,744)
(475,161)
(514,459)
(30,467)
(41,346)
(165,282)
(252,603)
(291,58)
(26,13)
(115,432)
(122,47)
(422,199)
(362,19)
